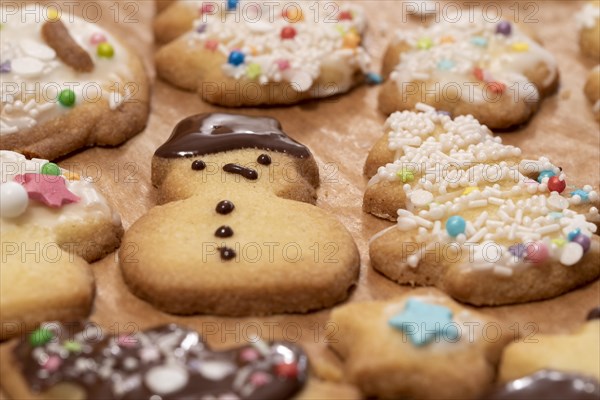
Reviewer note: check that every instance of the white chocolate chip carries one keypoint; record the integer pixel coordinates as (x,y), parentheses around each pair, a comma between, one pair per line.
(27,66)
(571,254)
(216,370)
(37,50)
(420,198)
(166,379)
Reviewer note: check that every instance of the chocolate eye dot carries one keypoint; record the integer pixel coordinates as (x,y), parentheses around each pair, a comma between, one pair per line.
(198,165)
(264,159)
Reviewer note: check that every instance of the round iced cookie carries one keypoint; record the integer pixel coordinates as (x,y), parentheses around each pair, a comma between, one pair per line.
(52,223)
(588,20)
(473,216)
(244,53)
(67,84)
(491,70)
(428,329)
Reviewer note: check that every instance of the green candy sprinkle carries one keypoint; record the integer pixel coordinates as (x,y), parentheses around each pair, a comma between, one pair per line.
(253,71)
(67,98)
(424,43)
(40,337)
(406,175)
(51,169)
(105,50)
(72,346)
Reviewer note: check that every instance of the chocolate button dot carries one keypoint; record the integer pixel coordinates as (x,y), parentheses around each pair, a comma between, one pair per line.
(224,231)
(225,207)
(264,159)
(198,165)
(227,253)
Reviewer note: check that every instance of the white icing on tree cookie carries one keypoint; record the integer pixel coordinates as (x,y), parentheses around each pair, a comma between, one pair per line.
(18,208)
(589,16)
(466,189)
(33,77)
(462,53)
(283,42)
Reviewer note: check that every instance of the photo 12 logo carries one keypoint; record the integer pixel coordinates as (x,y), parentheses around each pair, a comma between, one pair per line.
(125,12)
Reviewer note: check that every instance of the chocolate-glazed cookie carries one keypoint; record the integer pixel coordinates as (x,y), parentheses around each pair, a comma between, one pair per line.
(548,385)
(168,361)
(236,232)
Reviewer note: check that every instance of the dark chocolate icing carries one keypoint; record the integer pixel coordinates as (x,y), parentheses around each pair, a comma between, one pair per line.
(198,165)
(593,314)
(213,133)
(227,253)
(224,231)
(264,159)
(224,207)
(548,385)
(247,173)
(170,362)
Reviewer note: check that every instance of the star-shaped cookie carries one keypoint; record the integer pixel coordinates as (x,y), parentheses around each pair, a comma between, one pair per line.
(420,345)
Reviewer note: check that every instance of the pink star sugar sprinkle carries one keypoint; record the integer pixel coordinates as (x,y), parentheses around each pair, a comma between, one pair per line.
(48,189)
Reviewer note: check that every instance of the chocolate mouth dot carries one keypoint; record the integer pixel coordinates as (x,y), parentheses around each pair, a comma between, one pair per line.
(247,173)
(227,253)
(198,165)
(224,232)
(224,207)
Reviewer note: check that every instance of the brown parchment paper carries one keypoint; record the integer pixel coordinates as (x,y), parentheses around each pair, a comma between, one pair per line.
(340,132)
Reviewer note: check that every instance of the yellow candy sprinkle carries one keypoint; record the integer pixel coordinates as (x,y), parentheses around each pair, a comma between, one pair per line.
(71,176)
(559,242)
(53,14)
(470,189)
(351,40)
(293,14)
(253,71)
(447,39)
(520,46)
(424,43)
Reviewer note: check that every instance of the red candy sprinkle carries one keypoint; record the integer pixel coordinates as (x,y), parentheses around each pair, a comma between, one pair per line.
(206,8)
(282,64)
(52,363)
(249,355)
(288,33)
(478,72)
(556,185)
(345,16)
(497,87)
(97,38)
(211,44)
(287,370)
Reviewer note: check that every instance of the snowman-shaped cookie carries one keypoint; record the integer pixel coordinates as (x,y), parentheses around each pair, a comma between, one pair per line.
(235,235)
